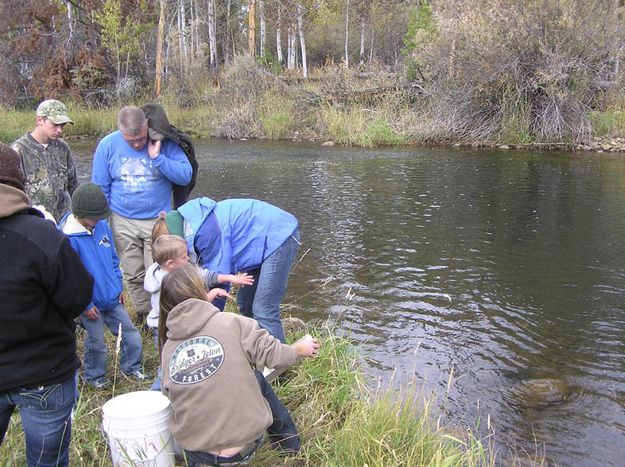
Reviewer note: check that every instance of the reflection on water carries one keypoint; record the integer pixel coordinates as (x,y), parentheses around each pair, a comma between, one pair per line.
(494,268)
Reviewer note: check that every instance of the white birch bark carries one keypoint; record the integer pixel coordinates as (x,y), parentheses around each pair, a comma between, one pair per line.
(291,48)
(346,33)
(212,39)
(228,35)
(70,21)
(263,27)
(362,41)
(279,35)
(182,46)
(302,40)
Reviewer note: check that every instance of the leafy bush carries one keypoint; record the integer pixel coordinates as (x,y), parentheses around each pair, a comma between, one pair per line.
(536,67)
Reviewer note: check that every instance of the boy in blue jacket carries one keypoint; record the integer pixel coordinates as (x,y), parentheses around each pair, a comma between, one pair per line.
(90,235)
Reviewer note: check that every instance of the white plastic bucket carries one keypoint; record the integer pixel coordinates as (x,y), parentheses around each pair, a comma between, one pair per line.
(136,426)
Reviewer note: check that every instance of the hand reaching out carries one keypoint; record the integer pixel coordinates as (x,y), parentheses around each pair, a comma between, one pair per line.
(307,346)
(242,278)
(212,294)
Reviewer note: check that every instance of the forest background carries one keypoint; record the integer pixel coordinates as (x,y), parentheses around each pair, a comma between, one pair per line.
(363,72)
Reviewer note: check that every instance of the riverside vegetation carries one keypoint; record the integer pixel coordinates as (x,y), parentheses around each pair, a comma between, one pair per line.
(341,422)
(335,105)
(538,74)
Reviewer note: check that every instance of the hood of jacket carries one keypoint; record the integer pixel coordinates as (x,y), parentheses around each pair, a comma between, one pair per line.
(70,225)
(189,317)
(153,278)
(13,200)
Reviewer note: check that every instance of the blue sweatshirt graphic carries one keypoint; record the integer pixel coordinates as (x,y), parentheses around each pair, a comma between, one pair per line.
(136,186)
(97,252)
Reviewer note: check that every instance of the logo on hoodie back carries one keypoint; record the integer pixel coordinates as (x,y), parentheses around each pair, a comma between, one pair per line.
(195,360)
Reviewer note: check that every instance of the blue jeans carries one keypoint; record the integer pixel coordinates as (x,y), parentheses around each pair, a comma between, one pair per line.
(156,385)
(46,420)
(282,433)
(95,347)
(261,300)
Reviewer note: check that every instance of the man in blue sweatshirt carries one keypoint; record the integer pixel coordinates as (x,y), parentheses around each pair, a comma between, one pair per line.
(137,175)
(89,234)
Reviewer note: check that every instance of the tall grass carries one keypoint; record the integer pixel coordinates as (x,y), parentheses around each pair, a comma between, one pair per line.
(15,123)
(360,127)
(275,114)
(340,423)
(609,123)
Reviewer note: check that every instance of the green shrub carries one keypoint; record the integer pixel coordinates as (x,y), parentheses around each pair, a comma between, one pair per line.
(15,123)
(275,115)
(608,123)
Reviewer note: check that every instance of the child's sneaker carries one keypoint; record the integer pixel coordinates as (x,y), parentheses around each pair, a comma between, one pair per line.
(136,374)
(99,383)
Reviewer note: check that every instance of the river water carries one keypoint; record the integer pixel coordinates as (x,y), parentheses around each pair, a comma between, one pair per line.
(467,273)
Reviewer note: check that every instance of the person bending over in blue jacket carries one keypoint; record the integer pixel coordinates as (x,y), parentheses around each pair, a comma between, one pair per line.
(90,235)
(241,235)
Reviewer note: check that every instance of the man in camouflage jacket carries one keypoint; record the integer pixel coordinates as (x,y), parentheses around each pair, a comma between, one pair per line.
(47,160)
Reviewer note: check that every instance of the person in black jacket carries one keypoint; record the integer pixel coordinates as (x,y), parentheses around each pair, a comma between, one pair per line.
(43,287)
(160,129)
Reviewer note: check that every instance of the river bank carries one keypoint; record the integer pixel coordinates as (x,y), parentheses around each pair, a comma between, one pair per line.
(340,422)
(333,108)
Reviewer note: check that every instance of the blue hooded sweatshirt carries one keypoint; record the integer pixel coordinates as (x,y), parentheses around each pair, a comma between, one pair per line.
(97,252)
(235,234)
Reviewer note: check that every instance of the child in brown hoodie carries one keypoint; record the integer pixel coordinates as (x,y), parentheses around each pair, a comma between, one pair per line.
(221,405)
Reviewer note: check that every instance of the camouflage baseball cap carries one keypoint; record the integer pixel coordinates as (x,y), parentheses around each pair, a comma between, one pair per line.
(54,110)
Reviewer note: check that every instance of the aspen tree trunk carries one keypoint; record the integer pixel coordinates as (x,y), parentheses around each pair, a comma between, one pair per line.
(346,33)
(279,35)
(292,47)
(212,39)
(263,27)
(70,21)
(159,49)
(251,33)
(302,40)
(362,41)
(228,40)
(192,29)
(181,39)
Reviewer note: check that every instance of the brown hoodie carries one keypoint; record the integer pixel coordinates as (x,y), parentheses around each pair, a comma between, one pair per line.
(12,200)
(215,397)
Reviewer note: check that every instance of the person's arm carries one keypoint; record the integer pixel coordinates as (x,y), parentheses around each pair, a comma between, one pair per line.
(241,279)
(171,160)
(215,293)
(307,346)
(116,267)
(72,178)
(264,350)
(101,175)
(92,313)
(69,284)
(211,278)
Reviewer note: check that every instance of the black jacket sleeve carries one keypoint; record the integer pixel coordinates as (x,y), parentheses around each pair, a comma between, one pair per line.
(69,285)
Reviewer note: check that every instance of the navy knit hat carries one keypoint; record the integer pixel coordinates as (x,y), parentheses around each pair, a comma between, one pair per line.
(88,202)
(11,172)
